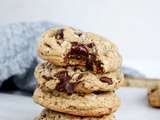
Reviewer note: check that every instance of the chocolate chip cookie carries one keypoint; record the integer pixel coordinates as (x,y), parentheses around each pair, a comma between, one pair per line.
(75,79)
(68,46)
(51,115)
(94,104)
(154,96)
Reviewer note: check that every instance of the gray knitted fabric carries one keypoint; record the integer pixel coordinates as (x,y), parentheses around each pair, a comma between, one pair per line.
(18,56)
(18,52)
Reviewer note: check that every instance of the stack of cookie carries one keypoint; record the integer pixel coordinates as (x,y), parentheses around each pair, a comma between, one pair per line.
(79,77)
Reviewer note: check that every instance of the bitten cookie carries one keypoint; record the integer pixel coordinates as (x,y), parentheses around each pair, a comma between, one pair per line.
(94,104)
(75,79)
(154,96)
(51,115)
(68,46)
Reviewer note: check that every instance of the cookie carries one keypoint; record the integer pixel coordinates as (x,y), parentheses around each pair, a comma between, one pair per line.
(94,104)
(140,82)
(52,115)
(68,46)
(75,79)
(154,96)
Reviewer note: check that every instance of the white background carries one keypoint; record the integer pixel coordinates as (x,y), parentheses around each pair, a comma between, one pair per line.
(133,24)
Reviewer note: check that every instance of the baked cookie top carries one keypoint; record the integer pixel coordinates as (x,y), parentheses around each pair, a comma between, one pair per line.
(69,46)
(75,79)
(52,115)
(93,104)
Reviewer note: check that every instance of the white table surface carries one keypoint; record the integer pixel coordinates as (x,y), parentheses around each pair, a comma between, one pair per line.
(134,106)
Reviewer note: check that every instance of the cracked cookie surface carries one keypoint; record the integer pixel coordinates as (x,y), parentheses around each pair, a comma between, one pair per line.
(75,79)
(94,104)
(68,46)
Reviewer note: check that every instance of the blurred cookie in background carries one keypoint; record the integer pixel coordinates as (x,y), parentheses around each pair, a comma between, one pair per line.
(154,96)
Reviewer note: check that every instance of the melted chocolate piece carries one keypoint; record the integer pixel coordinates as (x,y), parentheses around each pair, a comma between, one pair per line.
(63,76)
(106,80)
(92,64)
(99,69)
(79,76)
(78,51)
(47,77)
(90,61)
(70,88)
(64,85)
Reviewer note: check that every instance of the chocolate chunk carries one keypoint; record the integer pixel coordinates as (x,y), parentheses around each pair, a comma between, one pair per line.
(47,45)
(63,76)
(106,80)
(79,76)
(64,85)
(91,45)
(78,51)
(59,35)
(61,87)
(98,92)
(69,88)
(90,61)
(47,77)
(99,69)
(89,65)
(153,90)
(93,64)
